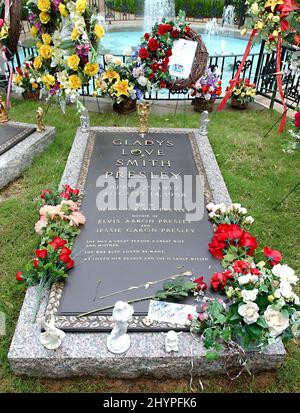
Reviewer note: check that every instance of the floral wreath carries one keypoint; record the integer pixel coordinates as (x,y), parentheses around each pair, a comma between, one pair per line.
(156,50)
(67,35)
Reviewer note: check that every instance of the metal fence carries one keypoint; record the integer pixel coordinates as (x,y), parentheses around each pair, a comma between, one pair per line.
(259,68)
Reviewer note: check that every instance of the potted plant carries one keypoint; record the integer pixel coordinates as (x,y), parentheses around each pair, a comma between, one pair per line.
(206,90)
(242,93)
(27,83)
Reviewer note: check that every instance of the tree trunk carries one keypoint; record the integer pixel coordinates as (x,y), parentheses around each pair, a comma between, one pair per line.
(15,28)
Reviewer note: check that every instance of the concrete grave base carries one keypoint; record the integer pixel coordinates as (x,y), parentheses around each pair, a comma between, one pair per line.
(14,161)
(86,353)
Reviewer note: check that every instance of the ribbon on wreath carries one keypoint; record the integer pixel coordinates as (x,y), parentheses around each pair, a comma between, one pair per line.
(5,59)
(278,77)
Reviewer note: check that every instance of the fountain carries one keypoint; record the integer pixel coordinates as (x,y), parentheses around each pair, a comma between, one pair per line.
(228,16)
(156,10)
(212,27)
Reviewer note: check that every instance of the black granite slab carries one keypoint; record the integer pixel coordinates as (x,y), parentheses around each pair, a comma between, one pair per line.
(12,135)
(120,249)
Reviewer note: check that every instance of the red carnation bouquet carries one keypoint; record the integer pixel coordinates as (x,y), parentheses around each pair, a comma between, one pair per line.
(156,49)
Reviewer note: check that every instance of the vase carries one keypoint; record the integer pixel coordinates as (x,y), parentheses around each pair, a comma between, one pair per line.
(235,103)
(201,105)
(125,107)
(27,95)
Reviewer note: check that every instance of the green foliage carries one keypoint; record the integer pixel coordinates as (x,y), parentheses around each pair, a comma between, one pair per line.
(178,288)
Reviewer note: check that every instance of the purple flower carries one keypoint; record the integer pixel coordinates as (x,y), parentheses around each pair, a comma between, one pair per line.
(55,4)
(82,50)
(139,93)
(32,17)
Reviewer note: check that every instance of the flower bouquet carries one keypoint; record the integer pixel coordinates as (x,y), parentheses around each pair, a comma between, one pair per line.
(243,92)
(27,82)
(206,90)
(67,35)
(117,82)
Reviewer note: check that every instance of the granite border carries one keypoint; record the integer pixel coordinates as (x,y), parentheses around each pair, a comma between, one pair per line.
(86,354)
(14,161)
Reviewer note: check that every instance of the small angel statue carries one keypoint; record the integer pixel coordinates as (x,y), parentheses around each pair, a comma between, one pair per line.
(144,109)
(119,341)
(172,341)
(52,337)
(40,120)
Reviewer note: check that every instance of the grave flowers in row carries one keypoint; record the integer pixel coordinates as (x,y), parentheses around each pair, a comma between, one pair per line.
(58,225)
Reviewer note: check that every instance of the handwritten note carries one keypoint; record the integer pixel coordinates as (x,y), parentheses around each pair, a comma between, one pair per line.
(170,312)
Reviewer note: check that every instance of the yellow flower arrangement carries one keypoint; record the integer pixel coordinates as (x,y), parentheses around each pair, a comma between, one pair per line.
(48,80)
(38,61)
(73,62)
(91,69)
(111,75)
(38,45)
(99,31)
(43,5)
(45,51)
(81,6)
(47,39)
(63,10)
(75,82)
(17,79)
(121,88)
(34,31)
(44,17)
(273,3)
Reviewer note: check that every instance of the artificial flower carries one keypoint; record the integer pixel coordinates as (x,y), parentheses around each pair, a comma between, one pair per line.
(91,69)
(44,17)
(249,295)
(47,39)
(285,273)
(277,321)
(249,312)
(81,6)
(75,82)
(99,31)
(111,75)
(273,3)
(63,10)
(45,51)
(121,87)
(73,62)
(273,256)
(48,80)
(43,5)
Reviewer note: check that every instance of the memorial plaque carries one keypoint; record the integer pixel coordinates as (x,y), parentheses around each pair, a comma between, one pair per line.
(119,249)
(12,135)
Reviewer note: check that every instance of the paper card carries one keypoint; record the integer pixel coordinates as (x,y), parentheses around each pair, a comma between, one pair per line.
(182,59)
(170,312)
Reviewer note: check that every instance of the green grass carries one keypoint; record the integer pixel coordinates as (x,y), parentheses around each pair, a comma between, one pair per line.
(258,174)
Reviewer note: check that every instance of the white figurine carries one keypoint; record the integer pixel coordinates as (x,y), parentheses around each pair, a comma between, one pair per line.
(172,341)
(52,337)
(119,342)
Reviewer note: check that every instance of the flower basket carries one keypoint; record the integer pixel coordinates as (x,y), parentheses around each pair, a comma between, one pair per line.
(235,103)
(201,105)
(27,95)
(125,107)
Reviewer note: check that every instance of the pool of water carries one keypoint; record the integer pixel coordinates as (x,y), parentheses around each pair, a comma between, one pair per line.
(117,42)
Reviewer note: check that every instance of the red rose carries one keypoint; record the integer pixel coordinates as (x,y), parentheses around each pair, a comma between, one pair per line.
(70,264)
(35,263)
(255,271)
(19,71)
(201,285)
(297,120)
(147,36)
(75,191)
(163,84)
(44,193)
(187,29)
(284,25)
(273,256)
(144,53)
(175,34)
(219,279)
(241,267)
(168,53)
(153,45)
(58,243)
(162,30)
(65,258)
(65,195)
(19,276)
(41,254)
(66,251)
(154,66)
(152,76)
(249,242)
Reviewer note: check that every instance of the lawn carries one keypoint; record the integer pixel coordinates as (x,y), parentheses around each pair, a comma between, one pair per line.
(258,175)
